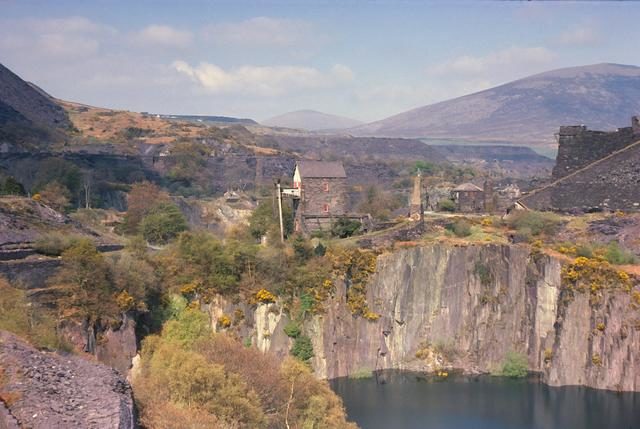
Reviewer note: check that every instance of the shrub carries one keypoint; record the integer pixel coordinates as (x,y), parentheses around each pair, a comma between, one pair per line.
(535,222)
(292,329)
(515,365)
(446,205)
(163,223)
(461,228)
(345,227)
(617,255)
(585,251)
(11,187)
(302,348)
(265,297)
(55,243)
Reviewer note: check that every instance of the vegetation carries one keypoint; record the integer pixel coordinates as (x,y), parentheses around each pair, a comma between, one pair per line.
(19,317)
(163,222)
(10,186)
(515,365)
(264,220)
(532,223)
(447,205)
(55,243)
(211,380)
(140,199)
(460,228)
(345,227)
(380,204)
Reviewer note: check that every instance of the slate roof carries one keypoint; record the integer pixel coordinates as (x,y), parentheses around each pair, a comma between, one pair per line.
(467,187)
(319,169)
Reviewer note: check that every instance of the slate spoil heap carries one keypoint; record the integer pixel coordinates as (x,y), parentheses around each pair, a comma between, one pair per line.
(48,390)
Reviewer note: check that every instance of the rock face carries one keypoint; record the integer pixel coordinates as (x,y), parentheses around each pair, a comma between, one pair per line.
(54,391)
(467,307)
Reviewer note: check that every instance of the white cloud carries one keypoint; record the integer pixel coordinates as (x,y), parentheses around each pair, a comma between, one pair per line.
(510,58)
(163,36)
(580,36)
(263,80)
(260,31)
(60,38)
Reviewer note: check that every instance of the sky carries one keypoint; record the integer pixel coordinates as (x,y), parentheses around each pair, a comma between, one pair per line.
(362,59)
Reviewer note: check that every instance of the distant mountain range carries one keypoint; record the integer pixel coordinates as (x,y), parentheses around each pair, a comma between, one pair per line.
(526,111)
(311,120)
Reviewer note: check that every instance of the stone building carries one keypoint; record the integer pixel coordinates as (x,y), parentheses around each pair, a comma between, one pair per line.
(319,195)
(595,170)
(468,198)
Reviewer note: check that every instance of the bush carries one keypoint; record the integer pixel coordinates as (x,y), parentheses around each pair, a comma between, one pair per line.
(515,365)
(302,348)
(345,227)
(461,228)
(447,205)
(163,223)
(11,187)
(292,329)
(615,254)
(535,223)
(18,316)
(55,243)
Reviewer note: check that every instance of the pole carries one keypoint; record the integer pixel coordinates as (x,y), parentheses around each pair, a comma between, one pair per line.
(280,213)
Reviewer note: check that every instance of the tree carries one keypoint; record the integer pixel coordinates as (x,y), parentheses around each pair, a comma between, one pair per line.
(379,203)
(84,283)
(56,196)
(140,199)
(345,227)
(163,223)
(264,219)
(12,187)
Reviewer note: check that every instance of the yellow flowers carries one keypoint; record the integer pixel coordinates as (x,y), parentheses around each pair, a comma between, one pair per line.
(189,288)
(224,321)
(594,275)
(264,296)
(125,301)
(369,315)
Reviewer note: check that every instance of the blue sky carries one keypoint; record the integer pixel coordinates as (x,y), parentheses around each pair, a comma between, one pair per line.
(362,59)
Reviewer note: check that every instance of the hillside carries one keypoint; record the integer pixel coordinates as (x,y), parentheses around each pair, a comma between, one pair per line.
(29,117)
(528,110)
(311,120)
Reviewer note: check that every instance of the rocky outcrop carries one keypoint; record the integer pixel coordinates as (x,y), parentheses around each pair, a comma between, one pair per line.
(48,390)
(469,306)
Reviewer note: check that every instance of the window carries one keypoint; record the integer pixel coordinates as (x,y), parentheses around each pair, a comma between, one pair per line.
(325,186)
(325,208)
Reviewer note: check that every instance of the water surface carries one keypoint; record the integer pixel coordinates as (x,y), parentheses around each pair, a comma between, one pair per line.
(412,401)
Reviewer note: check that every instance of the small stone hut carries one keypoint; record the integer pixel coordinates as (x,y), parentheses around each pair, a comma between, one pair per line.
(468,198)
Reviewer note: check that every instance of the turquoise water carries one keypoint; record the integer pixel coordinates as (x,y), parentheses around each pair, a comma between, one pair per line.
(404,400)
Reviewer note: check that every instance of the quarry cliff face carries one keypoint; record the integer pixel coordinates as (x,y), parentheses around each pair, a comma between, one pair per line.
(466,307)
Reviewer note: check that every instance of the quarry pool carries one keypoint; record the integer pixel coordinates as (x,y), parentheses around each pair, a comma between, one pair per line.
(405,400)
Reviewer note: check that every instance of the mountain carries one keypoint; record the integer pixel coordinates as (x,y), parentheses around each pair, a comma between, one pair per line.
(311,120)
(29,117)
(529,110)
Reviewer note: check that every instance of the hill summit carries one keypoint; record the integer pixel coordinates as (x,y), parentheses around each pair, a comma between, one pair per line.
(311,120)
(528,110)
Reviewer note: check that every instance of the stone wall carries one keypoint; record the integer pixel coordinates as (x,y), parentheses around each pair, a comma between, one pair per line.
(579,146)
(612,183)
(314,196)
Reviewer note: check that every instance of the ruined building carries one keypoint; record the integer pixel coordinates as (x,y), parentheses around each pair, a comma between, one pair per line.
(468,198)
(595,170)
